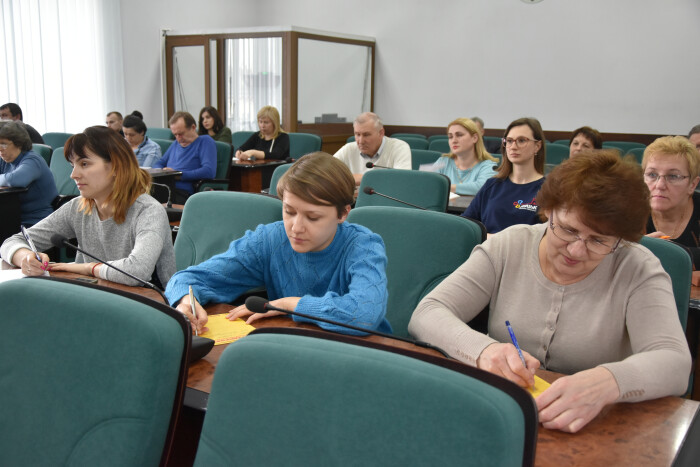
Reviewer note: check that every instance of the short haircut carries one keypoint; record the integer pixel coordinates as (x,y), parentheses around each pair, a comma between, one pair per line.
(136,123)
(321,179)
(481,153)
(218,122)
(590,133)
(114,112)
(130,181)
(186,116)
(14,109)
(672,146)
(506,167)
(273,114)
(478,120)
(369,117)
(598,186)
(693,131)
(16,132)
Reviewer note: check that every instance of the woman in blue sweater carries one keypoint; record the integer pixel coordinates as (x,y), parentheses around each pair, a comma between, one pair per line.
(22,167)
(312,262)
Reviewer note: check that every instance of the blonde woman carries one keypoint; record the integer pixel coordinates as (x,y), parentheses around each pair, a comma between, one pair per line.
(270,143)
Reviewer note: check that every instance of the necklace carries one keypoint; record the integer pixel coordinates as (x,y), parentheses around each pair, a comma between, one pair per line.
(678,224)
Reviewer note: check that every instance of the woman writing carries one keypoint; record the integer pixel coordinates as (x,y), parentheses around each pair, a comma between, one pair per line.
(312,262)
(210,123)
(270,143)
(672,171)
(22,167)
(468,166)
(114,218)
(509,197)
(146,150)
(584,298)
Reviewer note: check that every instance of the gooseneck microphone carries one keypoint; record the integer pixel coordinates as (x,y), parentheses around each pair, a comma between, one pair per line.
(370,191)
(260,305)
(174,214)
(371,165)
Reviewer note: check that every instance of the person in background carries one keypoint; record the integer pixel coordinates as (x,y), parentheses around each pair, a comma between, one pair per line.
(11,111)
(210,123)
(113,218)
(468,165)
(114,121)
(584,139)
(192,154)
(312,261)
(371,145)
(671,167)
(492,146)
(583,297)
(22,167)
(147,151)
(270,143)
(694,136)
(509,197)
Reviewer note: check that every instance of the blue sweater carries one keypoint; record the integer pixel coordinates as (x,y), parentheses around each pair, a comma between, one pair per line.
(468,181)
(30,170)
(197,160)
(501,203)
(345,282)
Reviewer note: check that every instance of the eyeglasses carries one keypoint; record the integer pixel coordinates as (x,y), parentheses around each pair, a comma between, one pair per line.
(671,179)
(594,245)
(4,145)
(518,141)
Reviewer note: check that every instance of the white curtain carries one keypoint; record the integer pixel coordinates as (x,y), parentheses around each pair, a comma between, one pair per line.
(62,61)
(253,80)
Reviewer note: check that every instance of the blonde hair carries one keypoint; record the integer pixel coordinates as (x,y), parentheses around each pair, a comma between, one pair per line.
(674,146)
(481,153)
(273,114)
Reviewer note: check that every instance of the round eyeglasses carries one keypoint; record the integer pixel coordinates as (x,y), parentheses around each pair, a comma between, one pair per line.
(594,245)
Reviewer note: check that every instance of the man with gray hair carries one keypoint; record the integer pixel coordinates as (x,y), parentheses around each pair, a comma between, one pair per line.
(694,136)
(371,145)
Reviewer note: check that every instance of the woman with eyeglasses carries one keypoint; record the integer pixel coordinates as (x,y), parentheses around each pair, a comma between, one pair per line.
(583,297)
(509,197)
(672,171)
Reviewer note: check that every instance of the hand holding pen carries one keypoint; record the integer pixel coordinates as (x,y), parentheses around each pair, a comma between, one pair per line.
(34,263)
(510,362)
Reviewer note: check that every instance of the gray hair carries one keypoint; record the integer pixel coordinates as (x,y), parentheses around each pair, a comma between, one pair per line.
(369,117)
(17,133)
(479,121)
(694,130)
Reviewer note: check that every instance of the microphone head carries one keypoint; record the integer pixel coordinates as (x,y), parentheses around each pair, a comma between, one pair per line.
(256,304)
(368,190)
(369,165)
(58,240)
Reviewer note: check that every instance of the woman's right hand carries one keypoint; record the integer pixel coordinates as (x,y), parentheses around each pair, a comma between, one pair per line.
(26,259)
(198,321)
(503,360)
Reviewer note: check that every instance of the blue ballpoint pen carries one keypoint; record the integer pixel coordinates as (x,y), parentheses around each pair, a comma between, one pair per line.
(515,343)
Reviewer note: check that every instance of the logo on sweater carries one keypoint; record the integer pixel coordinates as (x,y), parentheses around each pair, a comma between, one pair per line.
(531,206)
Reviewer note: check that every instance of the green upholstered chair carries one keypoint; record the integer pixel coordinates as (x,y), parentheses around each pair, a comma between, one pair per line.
(91,376)
(276,175)
(409,135)
(440,145)
(61,170)
(423,156)
(436,137)
(303,143)
(555,154)
(44,150)
(677,262)
(303,397)
(563,142)
(240,137)
(637,153)
(413,142)
(350,139)
(160,133)
(56,140)
(211,220)
(224,154)
(429,190)
(422,247)
(623,146)
(163,143)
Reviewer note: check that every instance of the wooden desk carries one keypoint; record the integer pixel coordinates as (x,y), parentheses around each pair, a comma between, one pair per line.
(458,205)
(252,177)
(10,210)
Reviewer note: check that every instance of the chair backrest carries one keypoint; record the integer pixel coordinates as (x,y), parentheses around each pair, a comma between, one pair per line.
(303,143)
(677,263)
(440,145)
(556,153)
(94,377)
(422,248)
(240,137)
(56,140)
(160,133)
(409,135)
(348,403)
(429,190)
(563,142)
(224,153)
(276,175)
(413,142)
(44,151)
(350,139)
(637,153)
(61,170)
(623,146)
(423,156)
(211,220)
(436,137)
(163,143)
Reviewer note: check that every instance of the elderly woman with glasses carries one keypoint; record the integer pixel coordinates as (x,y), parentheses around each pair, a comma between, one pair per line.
(672,171)
(583,297)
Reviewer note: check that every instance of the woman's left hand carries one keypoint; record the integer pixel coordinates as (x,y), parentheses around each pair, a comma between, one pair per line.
(573,401)
(78,268)
(286,303)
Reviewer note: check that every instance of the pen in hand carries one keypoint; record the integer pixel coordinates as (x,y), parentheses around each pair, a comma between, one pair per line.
(29,241)
(194,311)
(515,343)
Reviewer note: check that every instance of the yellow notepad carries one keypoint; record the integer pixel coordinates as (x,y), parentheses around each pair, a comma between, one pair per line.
(223,331)
(540,386)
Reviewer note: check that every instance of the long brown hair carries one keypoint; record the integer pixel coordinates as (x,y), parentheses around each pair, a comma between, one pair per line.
(506,167)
